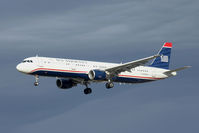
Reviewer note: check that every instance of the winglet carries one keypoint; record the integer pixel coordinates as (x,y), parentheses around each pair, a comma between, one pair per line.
(157,55)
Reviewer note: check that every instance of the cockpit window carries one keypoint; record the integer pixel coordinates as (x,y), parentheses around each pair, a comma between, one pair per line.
(29,61)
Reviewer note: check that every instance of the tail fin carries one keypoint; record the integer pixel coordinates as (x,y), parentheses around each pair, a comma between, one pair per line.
(163,60)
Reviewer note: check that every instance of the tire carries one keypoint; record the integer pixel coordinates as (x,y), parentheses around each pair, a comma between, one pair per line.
(109,85)
(87,91)
(36,84)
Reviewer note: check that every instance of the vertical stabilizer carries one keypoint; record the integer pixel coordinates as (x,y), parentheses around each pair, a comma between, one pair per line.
(163,60)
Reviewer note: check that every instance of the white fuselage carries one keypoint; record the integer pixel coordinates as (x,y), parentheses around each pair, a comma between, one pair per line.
(70,73)
(67,68)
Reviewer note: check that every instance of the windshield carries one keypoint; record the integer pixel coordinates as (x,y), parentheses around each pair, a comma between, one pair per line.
(29,61)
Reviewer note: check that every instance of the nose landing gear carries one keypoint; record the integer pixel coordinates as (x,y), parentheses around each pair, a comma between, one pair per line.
(36,83)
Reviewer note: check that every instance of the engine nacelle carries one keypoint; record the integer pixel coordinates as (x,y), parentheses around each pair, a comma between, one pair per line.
(65,83)
(97,75)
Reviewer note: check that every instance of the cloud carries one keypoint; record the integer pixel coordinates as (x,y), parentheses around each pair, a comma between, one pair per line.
(125,112)
(106,30)
(130,21)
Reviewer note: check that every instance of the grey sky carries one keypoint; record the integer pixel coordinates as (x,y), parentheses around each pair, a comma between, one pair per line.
(107,30)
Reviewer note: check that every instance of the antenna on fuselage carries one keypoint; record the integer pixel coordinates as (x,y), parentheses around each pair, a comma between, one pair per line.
(121,62)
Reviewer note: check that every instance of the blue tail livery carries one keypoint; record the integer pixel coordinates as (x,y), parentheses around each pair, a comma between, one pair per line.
(163,60)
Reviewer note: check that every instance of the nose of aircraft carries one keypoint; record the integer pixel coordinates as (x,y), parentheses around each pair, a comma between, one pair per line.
(25,68)
(19,67)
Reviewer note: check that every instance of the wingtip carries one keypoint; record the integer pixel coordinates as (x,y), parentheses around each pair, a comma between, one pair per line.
(157,55)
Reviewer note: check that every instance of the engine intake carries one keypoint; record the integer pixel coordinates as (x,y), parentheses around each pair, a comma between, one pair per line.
(65,83)
(97,75)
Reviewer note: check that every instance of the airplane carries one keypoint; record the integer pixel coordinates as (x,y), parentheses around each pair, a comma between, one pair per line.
(69,73)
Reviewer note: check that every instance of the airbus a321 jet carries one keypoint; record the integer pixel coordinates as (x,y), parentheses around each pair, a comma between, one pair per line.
(69,72)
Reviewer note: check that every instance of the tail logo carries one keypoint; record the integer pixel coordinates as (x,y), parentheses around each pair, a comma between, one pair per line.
(164,58)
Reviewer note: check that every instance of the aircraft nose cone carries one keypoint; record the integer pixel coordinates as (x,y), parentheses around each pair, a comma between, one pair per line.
(18,67)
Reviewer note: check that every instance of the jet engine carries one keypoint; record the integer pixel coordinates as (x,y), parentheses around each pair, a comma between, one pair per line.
(97,75)
(65,83)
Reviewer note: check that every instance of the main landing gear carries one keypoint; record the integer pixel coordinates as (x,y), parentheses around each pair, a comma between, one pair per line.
(109,84)
(36,80)
(87,90)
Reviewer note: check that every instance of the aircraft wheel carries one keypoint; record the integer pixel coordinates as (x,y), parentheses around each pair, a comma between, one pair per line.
(36,80)
(36,83)
(109,85)
(87,91)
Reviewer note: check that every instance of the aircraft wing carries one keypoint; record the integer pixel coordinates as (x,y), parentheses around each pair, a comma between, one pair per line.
(128,66)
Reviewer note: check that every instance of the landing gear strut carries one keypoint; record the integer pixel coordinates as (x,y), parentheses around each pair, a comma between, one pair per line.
(87,90)
(36,80)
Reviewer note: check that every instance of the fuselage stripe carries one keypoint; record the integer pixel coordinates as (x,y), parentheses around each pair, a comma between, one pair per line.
(138,77)
(85,72)
(38,69)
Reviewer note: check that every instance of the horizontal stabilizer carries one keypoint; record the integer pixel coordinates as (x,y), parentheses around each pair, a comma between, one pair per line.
(175,70)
